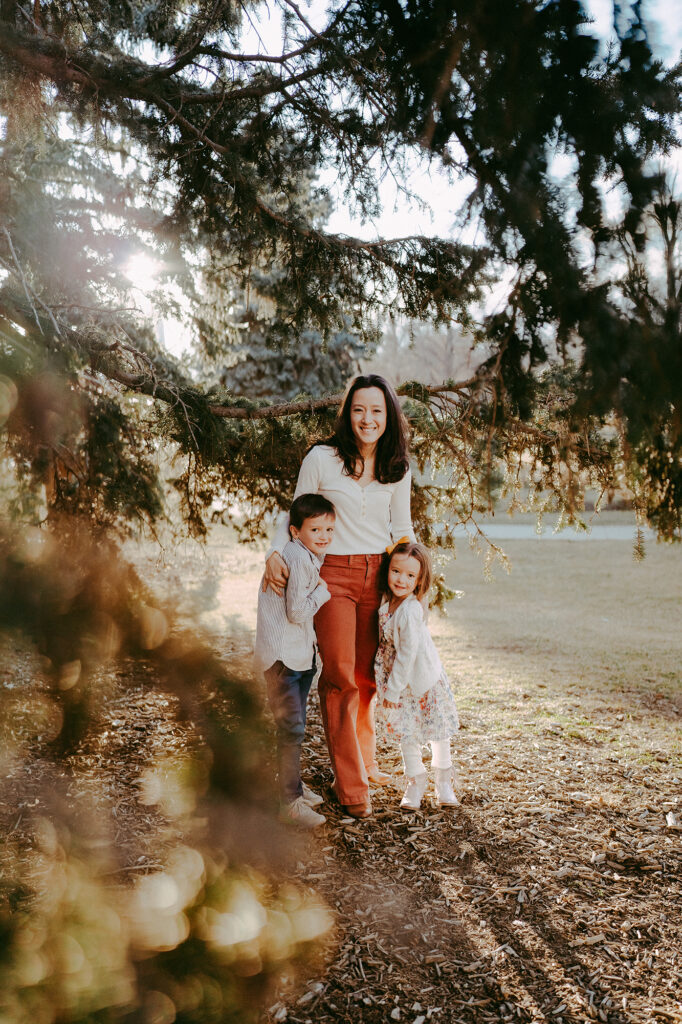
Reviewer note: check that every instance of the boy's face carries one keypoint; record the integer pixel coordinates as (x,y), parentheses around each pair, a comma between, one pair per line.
(316,532)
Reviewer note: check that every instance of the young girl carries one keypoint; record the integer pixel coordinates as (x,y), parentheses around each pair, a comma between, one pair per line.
(410,678)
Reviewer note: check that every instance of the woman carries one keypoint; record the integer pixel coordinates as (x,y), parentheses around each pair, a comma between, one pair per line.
(363,470)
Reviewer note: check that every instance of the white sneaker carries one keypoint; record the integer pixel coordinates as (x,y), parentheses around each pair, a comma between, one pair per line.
(300,813)
(445,794)
(412,799)
(312,799)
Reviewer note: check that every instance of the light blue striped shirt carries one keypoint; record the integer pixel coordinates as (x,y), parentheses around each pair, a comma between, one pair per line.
(284,627)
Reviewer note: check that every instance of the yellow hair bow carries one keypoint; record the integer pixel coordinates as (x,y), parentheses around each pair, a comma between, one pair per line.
(390,548)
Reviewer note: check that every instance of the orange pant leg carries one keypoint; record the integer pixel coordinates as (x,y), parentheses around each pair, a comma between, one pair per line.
(347,635)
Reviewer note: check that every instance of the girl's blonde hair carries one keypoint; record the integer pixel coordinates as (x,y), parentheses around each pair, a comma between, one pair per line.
(413,550)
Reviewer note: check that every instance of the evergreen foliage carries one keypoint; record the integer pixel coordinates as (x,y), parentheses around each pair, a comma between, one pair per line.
(166,128)
(160,127)
(197,939)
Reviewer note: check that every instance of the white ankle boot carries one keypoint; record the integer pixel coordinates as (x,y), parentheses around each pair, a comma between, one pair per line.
(445,794)
(412,799)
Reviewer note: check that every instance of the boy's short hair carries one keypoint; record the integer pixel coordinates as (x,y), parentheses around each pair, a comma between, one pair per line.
(413,550)
(309,506)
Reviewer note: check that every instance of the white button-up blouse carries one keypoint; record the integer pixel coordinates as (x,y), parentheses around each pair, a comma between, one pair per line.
(367,518)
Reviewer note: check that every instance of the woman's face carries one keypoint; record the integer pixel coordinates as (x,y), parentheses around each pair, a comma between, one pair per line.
(368,416)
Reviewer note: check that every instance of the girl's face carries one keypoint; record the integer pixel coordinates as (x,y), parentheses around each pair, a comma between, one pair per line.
(368,416)
(403,575)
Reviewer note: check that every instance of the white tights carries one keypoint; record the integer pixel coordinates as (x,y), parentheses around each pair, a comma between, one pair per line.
(412,756)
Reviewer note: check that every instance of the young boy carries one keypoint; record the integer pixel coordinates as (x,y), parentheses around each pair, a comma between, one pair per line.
(286,648)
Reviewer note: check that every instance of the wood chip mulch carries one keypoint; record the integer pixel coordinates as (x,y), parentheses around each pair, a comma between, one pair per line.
(554,893)
(546,896)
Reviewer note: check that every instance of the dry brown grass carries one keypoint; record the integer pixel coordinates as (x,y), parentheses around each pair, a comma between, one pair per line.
(580,635)
(553,893)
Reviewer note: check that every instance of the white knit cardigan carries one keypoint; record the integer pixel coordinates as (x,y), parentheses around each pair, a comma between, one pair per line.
(417,664)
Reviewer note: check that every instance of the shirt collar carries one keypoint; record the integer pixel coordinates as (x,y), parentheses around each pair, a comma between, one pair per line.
(315,558)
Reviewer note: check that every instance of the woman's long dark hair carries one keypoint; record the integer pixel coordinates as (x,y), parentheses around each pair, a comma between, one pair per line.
(391,463)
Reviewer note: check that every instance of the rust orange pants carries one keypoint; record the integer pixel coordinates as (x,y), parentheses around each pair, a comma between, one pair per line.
(347,629)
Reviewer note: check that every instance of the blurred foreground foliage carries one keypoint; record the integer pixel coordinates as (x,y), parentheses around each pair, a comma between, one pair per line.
(197,939)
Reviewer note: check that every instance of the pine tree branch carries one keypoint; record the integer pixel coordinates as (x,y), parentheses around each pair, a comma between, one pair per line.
(146,381)
(130,79)
(126,78)
(257,58)
(456,397)
(317,39)
(410,390)
(442,86)
(181,60)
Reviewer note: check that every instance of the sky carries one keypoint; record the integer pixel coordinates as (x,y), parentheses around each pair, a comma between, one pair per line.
(440,197)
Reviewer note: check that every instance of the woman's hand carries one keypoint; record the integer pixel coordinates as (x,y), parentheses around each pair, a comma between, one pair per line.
(276,573)
(391,704)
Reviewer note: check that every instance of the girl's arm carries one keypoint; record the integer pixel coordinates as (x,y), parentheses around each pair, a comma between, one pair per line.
(401,516)
(406,638)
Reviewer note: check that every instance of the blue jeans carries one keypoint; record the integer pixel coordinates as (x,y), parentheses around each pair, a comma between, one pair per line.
(288,692)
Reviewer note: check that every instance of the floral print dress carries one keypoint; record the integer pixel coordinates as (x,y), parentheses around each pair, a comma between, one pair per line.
(433,716)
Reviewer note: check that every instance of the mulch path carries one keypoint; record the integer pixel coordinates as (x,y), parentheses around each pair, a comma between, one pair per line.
(553,893)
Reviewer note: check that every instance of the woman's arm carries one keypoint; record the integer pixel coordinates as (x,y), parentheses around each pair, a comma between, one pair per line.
(280,537)
(401,516)
(276,570)
(308,483)
(276,573)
